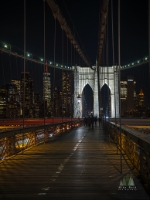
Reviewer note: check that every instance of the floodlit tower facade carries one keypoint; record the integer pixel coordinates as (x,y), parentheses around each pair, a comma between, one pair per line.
(84,76)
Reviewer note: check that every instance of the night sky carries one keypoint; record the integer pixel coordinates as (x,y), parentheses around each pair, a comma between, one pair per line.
(83,19)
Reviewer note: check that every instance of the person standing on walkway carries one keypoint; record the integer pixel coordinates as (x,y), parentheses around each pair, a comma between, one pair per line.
(85,121)
(99,120)
(89,121)
(95,120)
(92,121)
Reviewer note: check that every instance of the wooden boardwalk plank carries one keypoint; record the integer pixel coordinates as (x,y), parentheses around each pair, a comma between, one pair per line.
(81,164)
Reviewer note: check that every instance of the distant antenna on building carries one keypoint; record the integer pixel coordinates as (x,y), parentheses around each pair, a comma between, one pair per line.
(46,68)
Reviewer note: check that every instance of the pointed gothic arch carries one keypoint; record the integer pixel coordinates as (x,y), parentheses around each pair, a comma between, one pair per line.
(87,100)
(105,99)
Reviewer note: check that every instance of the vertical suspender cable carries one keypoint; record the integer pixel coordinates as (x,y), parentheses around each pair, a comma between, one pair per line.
(103,76)
(119,83)
(113,54)
(62,64)
(149,41)
(98,83)
(112,18)
(67,50)
(17,68)
(62,47)
(68,107)
(24,61)
(107,58)
(74,57)
(72,95)
(44,66)
(54,63)
(10,66)
(3,67)
(71,53)
(24,67)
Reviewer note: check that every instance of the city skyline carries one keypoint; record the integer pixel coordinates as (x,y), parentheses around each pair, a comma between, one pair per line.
(18,97)
(134,40)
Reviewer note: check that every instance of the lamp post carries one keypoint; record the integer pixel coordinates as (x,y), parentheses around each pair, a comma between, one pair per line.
(79,97)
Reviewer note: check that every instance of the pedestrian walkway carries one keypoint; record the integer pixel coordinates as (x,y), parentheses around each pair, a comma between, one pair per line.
(81,164)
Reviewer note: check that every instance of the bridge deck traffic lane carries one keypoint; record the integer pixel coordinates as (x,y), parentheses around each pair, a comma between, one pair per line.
(28,122)
(81,164)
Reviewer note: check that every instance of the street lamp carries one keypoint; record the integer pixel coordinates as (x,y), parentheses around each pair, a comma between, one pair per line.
(79,104)
(29,55)
(7,46)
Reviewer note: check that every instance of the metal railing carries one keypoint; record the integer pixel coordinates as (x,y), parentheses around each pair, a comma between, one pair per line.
(134,144)
(15,141)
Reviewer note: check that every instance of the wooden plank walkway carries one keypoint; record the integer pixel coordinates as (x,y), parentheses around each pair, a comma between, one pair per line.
(82,164)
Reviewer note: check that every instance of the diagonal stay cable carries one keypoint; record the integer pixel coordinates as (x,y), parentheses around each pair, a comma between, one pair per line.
(56,12)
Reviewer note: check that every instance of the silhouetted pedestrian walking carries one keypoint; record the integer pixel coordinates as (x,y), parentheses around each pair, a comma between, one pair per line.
(92,121)
(95,120)
(85,121)
(89,121)
(99,120)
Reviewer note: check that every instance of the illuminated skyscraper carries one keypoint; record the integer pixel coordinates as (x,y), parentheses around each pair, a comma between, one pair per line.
(47,87)
(3,101)
(36,105)
(127,95)
(28,99)
(13,104)
(17,83)
(57,102)
(140,99)
(67,89)
(9,101)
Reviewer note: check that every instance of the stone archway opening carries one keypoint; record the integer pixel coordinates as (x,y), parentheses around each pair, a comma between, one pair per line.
(106,101)
(87,100)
